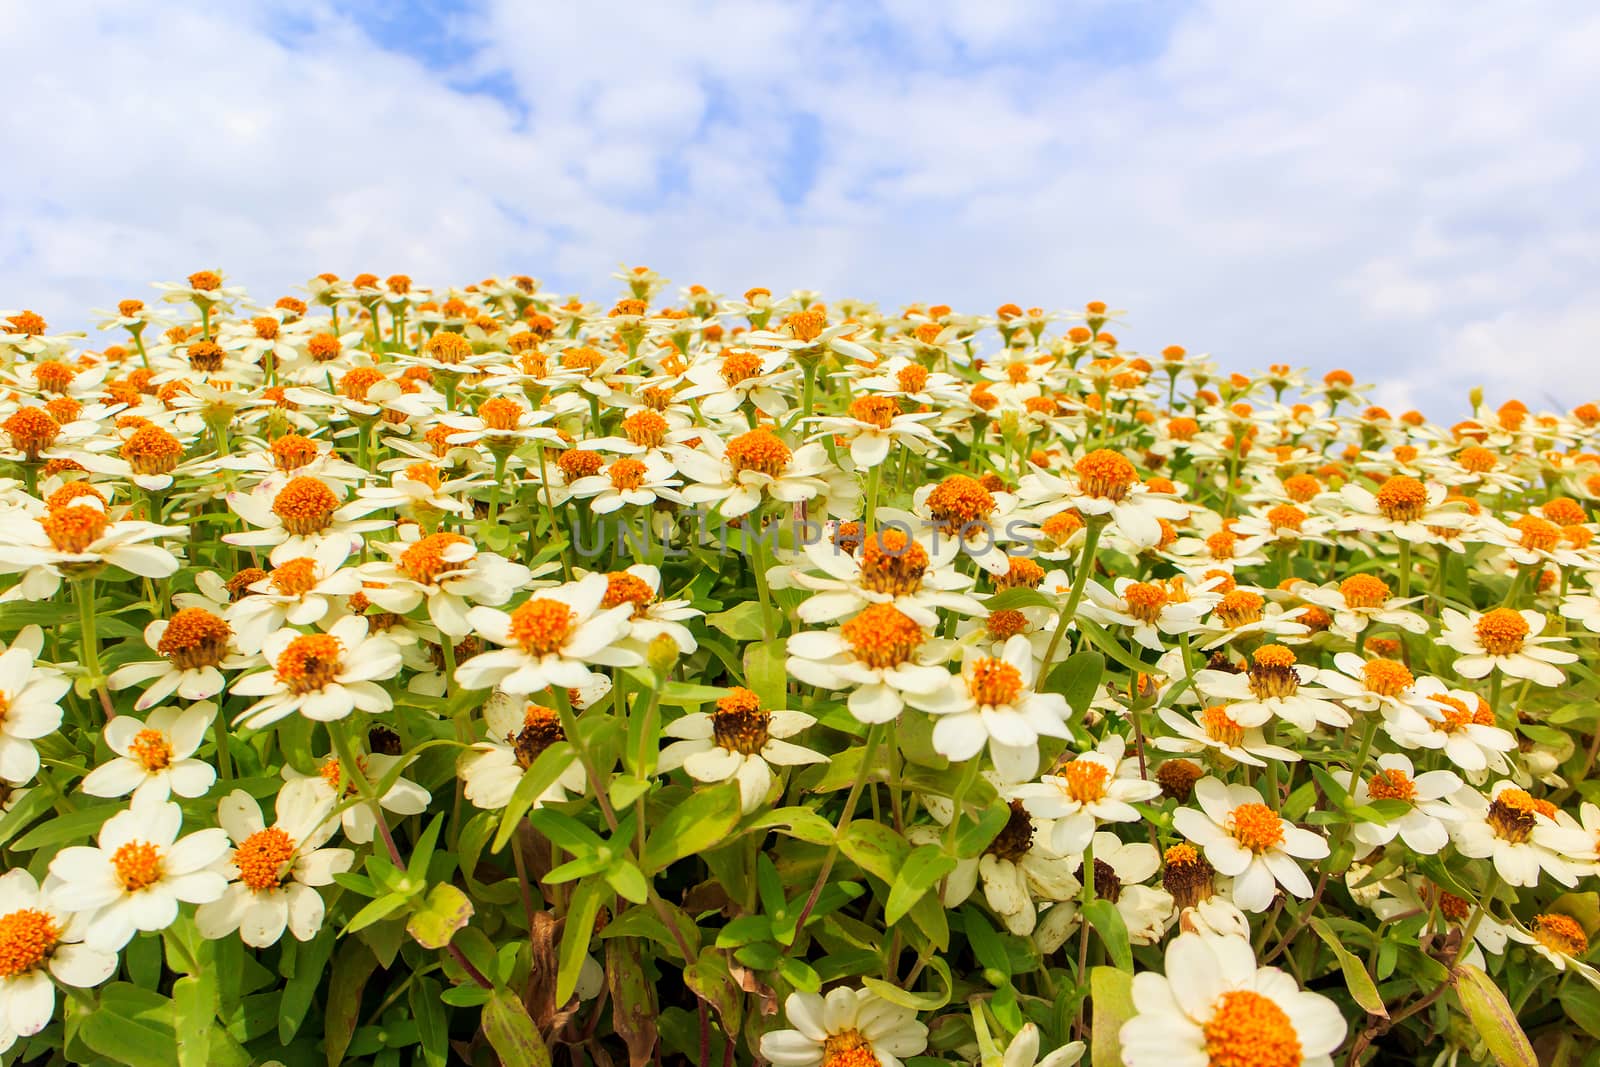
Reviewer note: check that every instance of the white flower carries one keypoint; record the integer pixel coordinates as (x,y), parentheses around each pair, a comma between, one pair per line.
(1402,506)
(30,707)
(518,734)
(302,517)
(334,785)
(1361,600)
(40,940)
(193,645)
(1126,865)
(1079,794)
(740,740)
(1214,728)
(138,871)
(1150,609)
(1423,827)
(629,480)
(1505,640)
(1514,830)
(1247,840)
(549,640)
(894,566)
(75,538)
(1214,1005)
(297,592)
(1106,483)
(155,756)
(277,868)
(447,572)
(845,1021)
(1024,1051)
(882,656)
(1275,686)
(998,706)
(741,472)
(1453,721)
(322,676)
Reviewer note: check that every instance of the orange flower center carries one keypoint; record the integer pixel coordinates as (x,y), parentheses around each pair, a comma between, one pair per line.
(500,413)
(1512,815)
(760,451)
(1220,727)
(1386,677)
(893,563)
(1240,608)
(305,506)
(27,937)
(577,463)
(1402,499)
(423,562)
(1020,571)
(73,529)
(261,858)
(151,450)
(1541,535)
(541,728)
(152,749)
(358,382)
(53,376)
(1107,474)
(1084,780)
(1004,624)
(1477,459)
(1256,827)
(541,626)
(1273,674)
(1286,517)
(1061,526)
(137,865)
(882,637)
(205,280)
(1248,1029)
(32,430)
(848,1048)
(1561,934)
(1501,631)
(1302,487)
(295,578)
(994,683)
(627,474)
(740,723)
(324,347)
(448,348)
(292,451)
(958,501)
(310,663)
(740,365)
(195,638)
(912,378)
(1392,784)
(1145,601)
(877,411)
(645,428)
(1364,591)
(625,588)
(1565,511)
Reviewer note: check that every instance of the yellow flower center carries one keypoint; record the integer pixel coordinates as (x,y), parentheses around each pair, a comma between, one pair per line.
(848,1048)
(500,413)
(645,428)
(1020,571)
(73,529)
(1392,784)
(448,348)
(194,638)
(627,474)
(151,749)
(1146,600)
(1240,607)
(1273,674)
(625,588)
(1220,727)
(32,430)
(423,561)
(261,858)
(958,501)
(137,865)
(892,563)
(1084,780)
(1501,631)
(1248,1029)
(740,365)
(151,450)
(876,411)
(27,937)
(994,683)
(1512,815)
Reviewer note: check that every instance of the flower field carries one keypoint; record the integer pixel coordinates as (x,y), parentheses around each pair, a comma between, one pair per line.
(474,675)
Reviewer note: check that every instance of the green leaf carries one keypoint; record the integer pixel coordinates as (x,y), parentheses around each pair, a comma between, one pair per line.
(801,823)
(1018,598)
(628,881)
(1493,1018)
(133,1026)
(352,966)
(907,998)
(511,1032)
(875,848)
(714,983)
(194,999)
(549,766)
(1076,678)
(742,622)
(1356,977)
(73,826)
(445,911)
(310,960)
(921,871)
(972,839)
(575,936)
(377,911)
(764,673)
(433,1024)
(699,823)
(1112,993)
(1107,922)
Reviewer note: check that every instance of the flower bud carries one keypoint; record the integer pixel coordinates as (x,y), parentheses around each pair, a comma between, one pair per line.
(662,655)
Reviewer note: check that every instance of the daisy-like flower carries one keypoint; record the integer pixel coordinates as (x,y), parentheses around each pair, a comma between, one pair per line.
(1018,870)
(155,757)
(1504,640)
(1215,1006)
(882,656)
(1402,506)
(1561,939)
(998,706)
(297,592)
(302,517)
(638,481)
(1275,687)
(1455,722)
(1080,793)
(1361,600)
(1423,828)
(1120,869)
(195,647)
(30,705)
(276,868)
(1107,483)
(322,676)
(1024,1051)
(640,588)
(739,473)
(41,941)
(518,734)
(77,539)
(1519,833)
(549,640)
(979,521)
(874,424)
(136,874)
(740,740)
(1376,684)
(891,566)
(738,376)
(332,785)
(447,572)
(1244,613)
(1248,841)
(847,1028)
(1214,729)
(1150,609)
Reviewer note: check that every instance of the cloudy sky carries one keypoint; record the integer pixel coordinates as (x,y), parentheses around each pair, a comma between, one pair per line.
(1408,190)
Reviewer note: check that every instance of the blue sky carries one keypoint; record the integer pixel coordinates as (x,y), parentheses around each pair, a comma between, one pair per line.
(1405,190)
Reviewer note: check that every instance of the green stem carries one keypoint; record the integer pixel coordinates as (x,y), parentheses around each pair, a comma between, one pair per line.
(1405,567)
(874,735)
(89,643)
(1091,543)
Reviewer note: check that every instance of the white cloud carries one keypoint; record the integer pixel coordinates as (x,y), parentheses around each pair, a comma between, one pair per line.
(1404,190)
